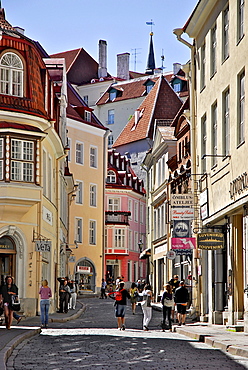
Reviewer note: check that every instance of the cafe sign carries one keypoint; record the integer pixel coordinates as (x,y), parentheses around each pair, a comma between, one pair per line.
(210,241)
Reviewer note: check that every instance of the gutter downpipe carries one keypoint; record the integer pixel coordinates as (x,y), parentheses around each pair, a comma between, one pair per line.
(195,292)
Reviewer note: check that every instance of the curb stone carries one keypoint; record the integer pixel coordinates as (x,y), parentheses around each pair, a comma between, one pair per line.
(6,352)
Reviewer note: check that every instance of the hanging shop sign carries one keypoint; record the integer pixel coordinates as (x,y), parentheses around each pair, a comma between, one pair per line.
(182,213)
(183,243)
(181,229)
(210,241)
(182,200)
(171,255)
(43,245)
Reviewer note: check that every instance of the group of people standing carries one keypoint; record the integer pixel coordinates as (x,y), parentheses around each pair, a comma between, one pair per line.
(175,293)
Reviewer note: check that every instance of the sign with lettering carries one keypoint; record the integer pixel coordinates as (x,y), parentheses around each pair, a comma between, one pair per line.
(43,245)
(47,216)
(183,243)
(210,241)
(180,213)
(182,200)
(238,185)
(83,269)
(181,229)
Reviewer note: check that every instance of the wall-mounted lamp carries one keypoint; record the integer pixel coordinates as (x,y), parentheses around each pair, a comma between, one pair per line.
(140,245)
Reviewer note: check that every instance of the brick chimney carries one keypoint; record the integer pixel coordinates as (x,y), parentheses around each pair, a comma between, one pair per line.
(123,66)
(102,68)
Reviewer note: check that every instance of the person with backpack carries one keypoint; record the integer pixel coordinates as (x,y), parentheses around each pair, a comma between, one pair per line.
(120,297)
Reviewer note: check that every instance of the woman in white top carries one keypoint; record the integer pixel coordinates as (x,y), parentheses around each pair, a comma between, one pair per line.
(146,306)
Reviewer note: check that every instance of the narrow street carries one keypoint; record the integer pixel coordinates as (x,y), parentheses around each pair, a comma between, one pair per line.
(92,341)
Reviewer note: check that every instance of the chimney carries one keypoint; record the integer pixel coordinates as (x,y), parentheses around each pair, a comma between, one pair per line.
(176,68)
(102,68)
(123,66)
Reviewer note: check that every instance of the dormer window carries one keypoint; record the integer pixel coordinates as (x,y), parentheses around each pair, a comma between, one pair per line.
(148,85)
(112,94)
(111,178)
(87,116)
(177,87)
(11,75)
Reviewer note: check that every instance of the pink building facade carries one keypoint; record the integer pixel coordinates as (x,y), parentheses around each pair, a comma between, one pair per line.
(125,221)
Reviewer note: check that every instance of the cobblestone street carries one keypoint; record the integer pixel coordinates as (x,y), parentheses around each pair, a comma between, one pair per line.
(92,341)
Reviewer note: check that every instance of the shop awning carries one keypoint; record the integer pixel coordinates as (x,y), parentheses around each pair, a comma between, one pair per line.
(145,254)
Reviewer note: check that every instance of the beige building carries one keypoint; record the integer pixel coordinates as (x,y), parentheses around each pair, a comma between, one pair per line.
(33,181)
(87,139)
(219,118)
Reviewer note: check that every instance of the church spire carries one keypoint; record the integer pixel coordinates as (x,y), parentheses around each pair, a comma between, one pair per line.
(151,59)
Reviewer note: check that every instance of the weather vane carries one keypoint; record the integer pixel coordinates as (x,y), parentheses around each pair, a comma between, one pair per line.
(150,24)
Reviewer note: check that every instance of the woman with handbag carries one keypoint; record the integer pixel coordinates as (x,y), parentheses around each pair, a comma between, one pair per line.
(134,295)
(8,290)
(168,303)
(45,293)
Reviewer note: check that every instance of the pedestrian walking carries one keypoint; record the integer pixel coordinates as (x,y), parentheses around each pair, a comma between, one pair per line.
(120,297)
(8,290)
(134,293)
(181,299)
(64,295)
(45,293)
(146,306)
(167,302)
(73,298)
(103,289)
(174,282)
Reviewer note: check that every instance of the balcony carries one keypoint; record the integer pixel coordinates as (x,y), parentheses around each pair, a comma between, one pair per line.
(117,217)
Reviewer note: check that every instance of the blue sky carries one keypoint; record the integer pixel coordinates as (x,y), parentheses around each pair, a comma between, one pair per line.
(61,25)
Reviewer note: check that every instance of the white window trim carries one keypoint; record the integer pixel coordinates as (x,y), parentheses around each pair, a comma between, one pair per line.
(95,156)
(82,152)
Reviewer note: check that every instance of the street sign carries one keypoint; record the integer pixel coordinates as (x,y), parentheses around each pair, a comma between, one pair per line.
(171,255)
(43,245)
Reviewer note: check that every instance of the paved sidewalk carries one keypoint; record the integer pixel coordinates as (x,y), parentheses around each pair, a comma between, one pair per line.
(27,328)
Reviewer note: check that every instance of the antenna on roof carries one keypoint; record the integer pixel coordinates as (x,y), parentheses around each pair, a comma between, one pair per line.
(135,56)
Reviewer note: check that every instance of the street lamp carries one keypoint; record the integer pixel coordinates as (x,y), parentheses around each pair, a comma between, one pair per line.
(140,245)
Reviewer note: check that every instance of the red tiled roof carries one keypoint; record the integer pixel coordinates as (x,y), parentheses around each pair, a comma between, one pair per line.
(73,109)
(3,23)
(69,56)
(161,103)
(17,126)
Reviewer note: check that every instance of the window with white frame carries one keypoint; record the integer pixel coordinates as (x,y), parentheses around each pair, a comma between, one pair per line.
(225,33)
(213,51)
(79,153)
(111,177)
(22,160)
(240,23)
(241,107)
(111,116)
(86,99)
(158,223)
(130,240)
(79,193)
(136,241)
(130,208)
(93,157)
(110,140)
(203,66)
(92,195)
(204,141)
(214,133)
(79,230)
(159,172)
(163,168)
(113,204)
(141,214)
(49,178)
(226,122)
(155,224)
(1,159)
(11,75)
(87,116)
(92,232)
(44,172)
(136,212)
(119,236)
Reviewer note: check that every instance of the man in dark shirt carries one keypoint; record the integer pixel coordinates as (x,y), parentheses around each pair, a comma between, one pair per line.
(120,297)
(181,299)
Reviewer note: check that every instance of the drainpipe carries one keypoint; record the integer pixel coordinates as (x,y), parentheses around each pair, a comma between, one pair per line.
(105,167)
(178,32)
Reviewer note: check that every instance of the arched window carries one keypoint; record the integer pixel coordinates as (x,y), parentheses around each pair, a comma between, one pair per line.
(111,177)
(11,75)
